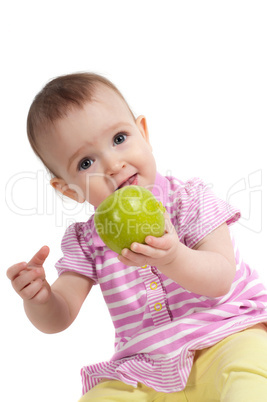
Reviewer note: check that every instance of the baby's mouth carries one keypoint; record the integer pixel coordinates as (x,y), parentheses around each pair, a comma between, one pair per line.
(132,180)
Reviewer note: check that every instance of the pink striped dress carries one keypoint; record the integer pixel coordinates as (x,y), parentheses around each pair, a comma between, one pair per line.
(159,325)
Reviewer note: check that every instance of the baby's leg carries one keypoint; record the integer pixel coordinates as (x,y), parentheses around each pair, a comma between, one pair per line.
(246,373)
(107,391)
(112,390)
(234,369)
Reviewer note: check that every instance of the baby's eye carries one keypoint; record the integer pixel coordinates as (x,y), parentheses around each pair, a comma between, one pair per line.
(85,164)
(119,138)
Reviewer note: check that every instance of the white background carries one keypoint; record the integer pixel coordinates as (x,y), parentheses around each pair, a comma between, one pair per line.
(197,70)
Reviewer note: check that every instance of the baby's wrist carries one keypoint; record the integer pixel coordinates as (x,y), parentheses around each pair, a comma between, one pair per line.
(172,266)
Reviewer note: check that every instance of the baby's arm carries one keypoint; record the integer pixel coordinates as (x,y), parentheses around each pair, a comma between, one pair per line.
(208,269)
(50,308)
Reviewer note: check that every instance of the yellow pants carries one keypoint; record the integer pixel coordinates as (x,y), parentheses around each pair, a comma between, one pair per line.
(233,370)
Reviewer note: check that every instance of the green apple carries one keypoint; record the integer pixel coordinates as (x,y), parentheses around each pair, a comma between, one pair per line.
(129,215)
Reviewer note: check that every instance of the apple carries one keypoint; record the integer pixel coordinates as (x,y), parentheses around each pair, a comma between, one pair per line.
(129,215)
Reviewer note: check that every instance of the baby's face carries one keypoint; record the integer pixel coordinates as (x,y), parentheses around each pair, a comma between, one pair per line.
(100,148)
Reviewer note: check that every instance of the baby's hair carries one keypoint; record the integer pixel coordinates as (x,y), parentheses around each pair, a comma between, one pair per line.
(57,98)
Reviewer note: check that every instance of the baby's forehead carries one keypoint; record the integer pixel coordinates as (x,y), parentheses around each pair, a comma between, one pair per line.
(106,106)
(103,95)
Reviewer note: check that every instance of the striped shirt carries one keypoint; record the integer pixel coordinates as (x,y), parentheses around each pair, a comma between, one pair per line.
(159,325)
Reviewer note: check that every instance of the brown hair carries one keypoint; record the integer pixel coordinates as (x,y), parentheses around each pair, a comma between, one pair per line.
(57,98)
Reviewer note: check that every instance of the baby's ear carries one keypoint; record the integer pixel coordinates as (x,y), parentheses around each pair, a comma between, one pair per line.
(142,126)
(70,190)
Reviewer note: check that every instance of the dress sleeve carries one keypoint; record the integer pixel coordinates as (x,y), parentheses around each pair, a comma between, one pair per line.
(199,212)
(76,254)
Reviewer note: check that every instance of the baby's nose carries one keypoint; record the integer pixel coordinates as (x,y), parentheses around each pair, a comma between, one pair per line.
(114,165)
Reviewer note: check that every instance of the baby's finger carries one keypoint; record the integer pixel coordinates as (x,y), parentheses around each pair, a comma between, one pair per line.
(27,277)
(30,291)
(140,248)
(126,261)
(15,270)
(41,296)
(162,242)
(129,257)
(142,253)
(39,258)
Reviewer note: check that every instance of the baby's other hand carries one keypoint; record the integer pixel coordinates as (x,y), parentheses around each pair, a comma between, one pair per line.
(28,279)
(158,251)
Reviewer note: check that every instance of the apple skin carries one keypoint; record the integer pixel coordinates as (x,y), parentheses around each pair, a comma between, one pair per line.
(129,215)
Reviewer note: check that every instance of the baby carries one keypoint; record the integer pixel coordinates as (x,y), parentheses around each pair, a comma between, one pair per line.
(188,312)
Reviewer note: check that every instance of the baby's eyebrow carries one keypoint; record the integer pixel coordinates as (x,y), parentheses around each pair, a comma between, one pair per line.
(118,126)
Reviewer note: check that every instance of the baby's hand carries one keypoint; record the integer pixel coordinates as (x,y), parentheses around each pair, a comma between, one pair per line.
(28,280)
(158,251)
